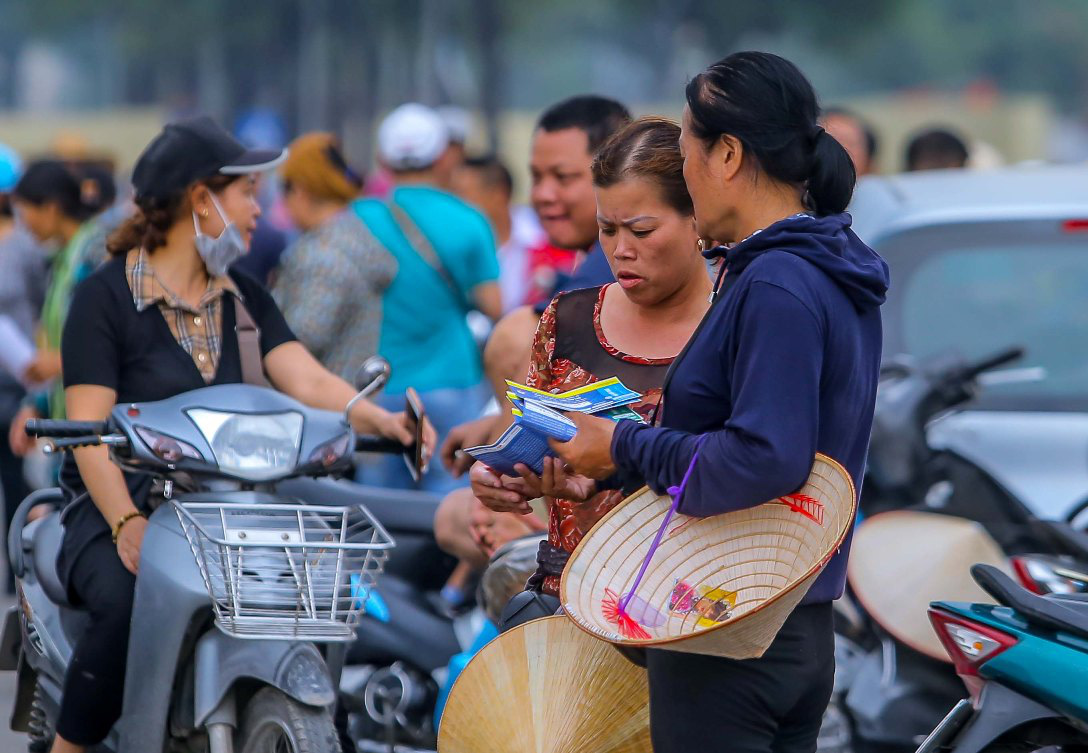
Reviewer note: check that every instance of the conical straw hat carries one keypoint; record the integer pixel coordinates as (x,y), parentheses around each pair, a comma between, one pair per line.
(547,687)
(902,560)
(722,585)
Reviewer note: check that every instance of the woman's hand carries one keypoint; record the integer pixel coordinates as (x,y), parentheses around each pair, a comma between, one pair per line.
(45,366)
(129,542)
(469,434)
(370,418)
(500,493)
(589,453)
(20,441)
(555,482)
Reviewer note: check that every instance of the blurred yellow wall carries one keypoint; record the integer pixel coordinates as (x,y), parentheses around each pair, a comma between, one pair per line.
(1017,126)
(119,134)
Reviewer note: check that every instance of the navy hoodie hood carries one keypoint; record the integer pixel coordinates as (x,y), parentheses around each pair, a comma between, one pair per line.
(826,242)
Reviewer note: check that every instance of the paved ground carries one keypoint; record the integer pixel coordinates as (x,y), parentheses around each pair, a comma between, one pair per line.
(10,742)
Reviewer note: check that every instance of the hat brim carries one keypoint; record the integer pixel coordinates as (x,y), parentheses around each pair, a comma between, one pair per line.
(255,161)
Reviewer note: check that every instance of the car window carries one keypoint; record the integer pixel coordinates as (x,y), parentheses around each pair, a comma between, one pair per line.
(979,298)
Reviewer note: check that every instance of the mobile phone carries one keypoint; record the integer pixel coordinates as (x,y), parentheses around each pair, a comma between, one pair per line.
(413,453)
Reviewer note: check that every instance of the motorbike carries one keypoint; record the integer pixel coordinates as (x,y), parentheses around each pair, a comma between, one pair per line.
(247,596)
(887,695)
(1023,662)
(406,633)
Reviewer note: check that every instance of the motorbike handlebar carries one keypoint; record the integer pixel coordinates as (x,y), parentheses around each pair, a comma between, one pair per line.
(369,443)
(992,362)
(44,427)
(60,445)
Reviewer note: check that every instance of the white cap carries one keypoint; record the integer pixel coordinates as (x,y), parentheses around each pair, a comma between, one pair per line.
(412,137)
(458,122)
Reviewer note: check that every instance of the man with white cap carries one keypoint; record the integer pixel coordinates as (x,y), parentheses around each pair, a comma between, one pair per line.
(446,267)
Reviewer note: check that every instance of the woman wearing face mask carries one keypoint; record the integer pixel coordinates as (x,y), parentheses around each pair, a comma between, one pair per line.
(631,328)
(56,204)
(157,320)
(785,365)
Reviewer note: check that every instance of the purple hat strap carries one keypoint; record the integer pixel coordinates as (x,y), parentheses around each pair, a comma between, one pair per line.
(676,492)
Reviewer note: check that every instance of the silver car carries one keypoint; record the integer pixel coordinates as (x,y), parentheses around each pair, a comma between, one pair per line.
(981,261)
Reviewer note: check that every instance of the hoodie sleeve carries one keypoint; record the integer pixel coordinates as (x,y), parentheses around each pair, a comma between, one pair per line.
(766,447)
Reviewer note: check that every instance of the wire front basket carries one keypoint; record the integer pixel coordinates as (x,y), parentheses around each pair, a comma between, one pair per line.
(286,571)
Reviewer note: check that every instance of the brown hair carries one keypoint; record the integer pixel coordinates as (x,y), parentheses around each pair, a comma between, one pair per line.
(315,163)
(153,218)
(648,148)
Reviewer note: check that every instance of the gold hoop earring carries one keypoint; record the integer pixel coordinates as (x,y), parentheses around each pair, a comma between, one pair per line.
(204,212)
(701,245)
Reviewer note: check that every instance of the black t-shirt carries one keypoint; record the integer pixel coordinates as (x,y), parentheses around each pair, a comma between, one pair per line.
(108,342)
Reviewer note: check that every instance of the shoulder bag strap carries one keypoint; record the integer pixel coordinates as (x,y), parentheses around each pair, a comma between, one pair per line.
(426,251)
(249,345)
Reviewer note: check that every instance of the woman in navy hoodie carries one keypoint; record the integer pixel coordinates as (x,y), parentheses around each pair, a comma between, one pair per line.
(785,365)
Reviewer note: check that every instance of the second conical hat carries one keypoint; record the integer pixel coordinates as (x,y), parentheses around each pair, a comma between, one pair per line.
(722,585)
(904,559)
(547,687)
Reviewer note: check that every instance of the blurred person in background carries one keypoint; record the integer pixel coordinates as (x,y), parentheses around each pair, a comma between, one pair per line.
(458,124)
(486,183)
(566,138)
(446,267)
(332,278)
(98,189)
(936,149)
(22,292)
(855,135)
(57,206)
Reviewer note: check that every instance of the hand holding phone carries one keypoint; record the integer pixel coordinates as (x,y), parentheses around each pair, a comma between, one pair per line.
(416,455)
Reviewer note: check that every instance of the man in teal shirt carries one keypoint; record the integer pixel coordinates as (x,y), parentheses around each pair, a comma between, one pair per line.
(446,267)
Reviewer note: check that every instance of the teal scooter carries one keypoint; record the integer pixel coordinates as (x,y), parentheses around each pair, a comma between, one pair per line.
(1025,665)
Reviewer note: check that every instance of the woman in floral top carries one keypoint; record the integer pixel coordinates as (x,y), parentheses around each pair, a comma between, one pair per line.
(632,328)
(331,280)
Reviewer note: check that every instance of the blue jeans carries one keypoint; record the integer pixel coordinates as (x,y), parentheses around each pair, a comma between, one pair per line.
(446,408)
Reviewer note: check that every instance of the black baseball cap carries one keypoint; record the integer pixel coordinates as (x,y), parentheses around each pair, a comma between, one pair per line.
(192,149)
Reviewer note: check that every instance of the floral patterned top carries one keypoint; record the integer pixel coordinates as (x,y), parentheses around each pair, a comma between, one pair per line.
(567,354)
(330,286)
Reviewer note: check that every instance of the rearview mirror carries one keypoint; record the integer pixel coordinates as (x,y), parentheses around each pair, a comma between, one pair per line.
(372,375)
(370,378)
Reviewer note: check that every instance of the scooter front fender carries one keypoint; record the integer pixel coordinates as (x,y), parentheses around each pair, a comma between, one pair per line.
(170,600)
(296,669)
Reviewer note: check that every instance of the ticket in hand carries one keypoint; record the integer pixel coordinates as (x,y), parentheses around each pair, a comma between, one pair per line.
(538,417)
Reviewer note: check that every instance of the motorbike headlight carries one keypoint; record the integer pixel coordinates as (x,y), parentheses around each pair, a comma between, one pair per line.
(253,447)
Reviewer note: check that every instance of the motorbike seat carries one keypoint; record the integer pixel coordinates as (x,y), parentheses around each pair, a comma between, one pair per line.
(1065,615)
(398,510)
(46,540)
